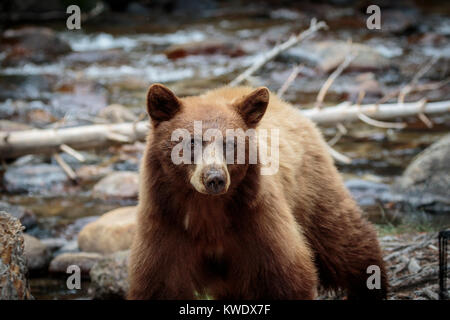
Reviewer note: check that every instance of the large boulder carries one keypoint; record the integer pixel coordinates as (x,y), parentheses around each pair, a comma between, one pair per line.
(37,254)
(425,184)
(118,185)
(113,231)
(13,269)
(109,277)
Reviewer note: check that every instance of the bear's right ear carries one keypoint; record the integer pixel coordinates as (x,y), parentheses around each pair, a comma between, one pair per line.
(162,104)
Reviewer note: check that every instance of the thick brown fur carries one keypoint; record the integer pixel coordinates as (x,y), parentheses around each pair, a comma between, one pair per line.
(269,236)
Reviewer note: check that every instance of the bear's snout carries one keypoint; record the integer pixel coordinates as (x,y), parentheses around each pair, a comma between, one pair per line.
(214,180)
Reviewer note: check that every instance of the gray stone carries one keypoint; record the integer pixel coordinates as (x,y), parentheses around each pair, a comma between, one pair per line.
(36,253)
(39,178)
(84,260)
(118,185)
(109,277)
(113,231)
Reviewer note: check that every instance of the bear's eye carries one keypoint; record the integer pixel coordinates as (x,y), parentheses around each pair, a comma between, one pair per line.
(192,142)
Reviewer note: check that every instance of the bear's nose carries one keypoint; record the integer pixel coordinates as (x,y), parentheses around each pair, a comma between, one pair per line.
(214,180)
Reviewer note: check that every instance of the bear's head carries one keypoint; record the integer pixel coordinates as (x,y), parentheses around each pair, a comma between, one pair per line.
(204,143)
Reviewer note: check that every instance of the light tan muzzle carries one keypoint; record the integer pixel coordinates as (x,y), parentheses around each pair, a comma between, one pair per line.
(211,174)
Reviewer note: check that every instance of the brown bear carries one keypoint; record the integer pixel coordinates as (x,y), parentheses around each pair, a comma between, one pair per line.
(225,229)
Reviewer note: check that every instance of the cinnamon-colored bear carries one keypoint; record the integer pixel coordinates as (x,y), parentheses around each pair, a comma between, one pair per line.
(227,229)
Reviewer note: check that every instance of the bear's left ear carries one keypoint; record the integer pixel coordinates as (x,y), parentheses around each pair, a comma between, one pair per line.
(253,106)
(162,104)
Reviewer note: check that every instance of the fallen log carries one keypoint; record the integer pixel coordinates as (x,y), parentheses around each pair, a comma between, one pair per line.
(345,113)
(49,141)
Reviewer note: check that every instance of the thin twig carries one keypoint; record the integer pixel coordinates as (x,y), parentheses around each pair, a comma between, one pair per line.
(293,40)
(422,115)
(72,152)
(295,71)
(66,168)
(409,87)
(361,96)
(341,130)
(339,156)
(333,76)
(381,124)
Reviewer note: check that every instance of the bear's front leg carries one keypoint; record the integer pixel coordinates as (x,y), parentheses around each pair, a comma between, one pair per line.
(157,268)
(272,260)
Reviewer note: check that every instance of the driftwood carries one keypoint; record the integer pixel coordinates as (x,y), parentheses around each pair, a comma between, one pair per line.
(344,113)
(37,141)
(48,141)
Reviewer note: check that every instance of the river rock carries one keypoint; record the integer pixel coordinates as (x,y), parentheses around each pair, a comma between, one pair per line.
(118,185)
(109,277)
(84,260)
(113,231)
(14,284)
(31,44)
(26,217)
(425,184)
(37,254)
(39,178)
(328,55)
